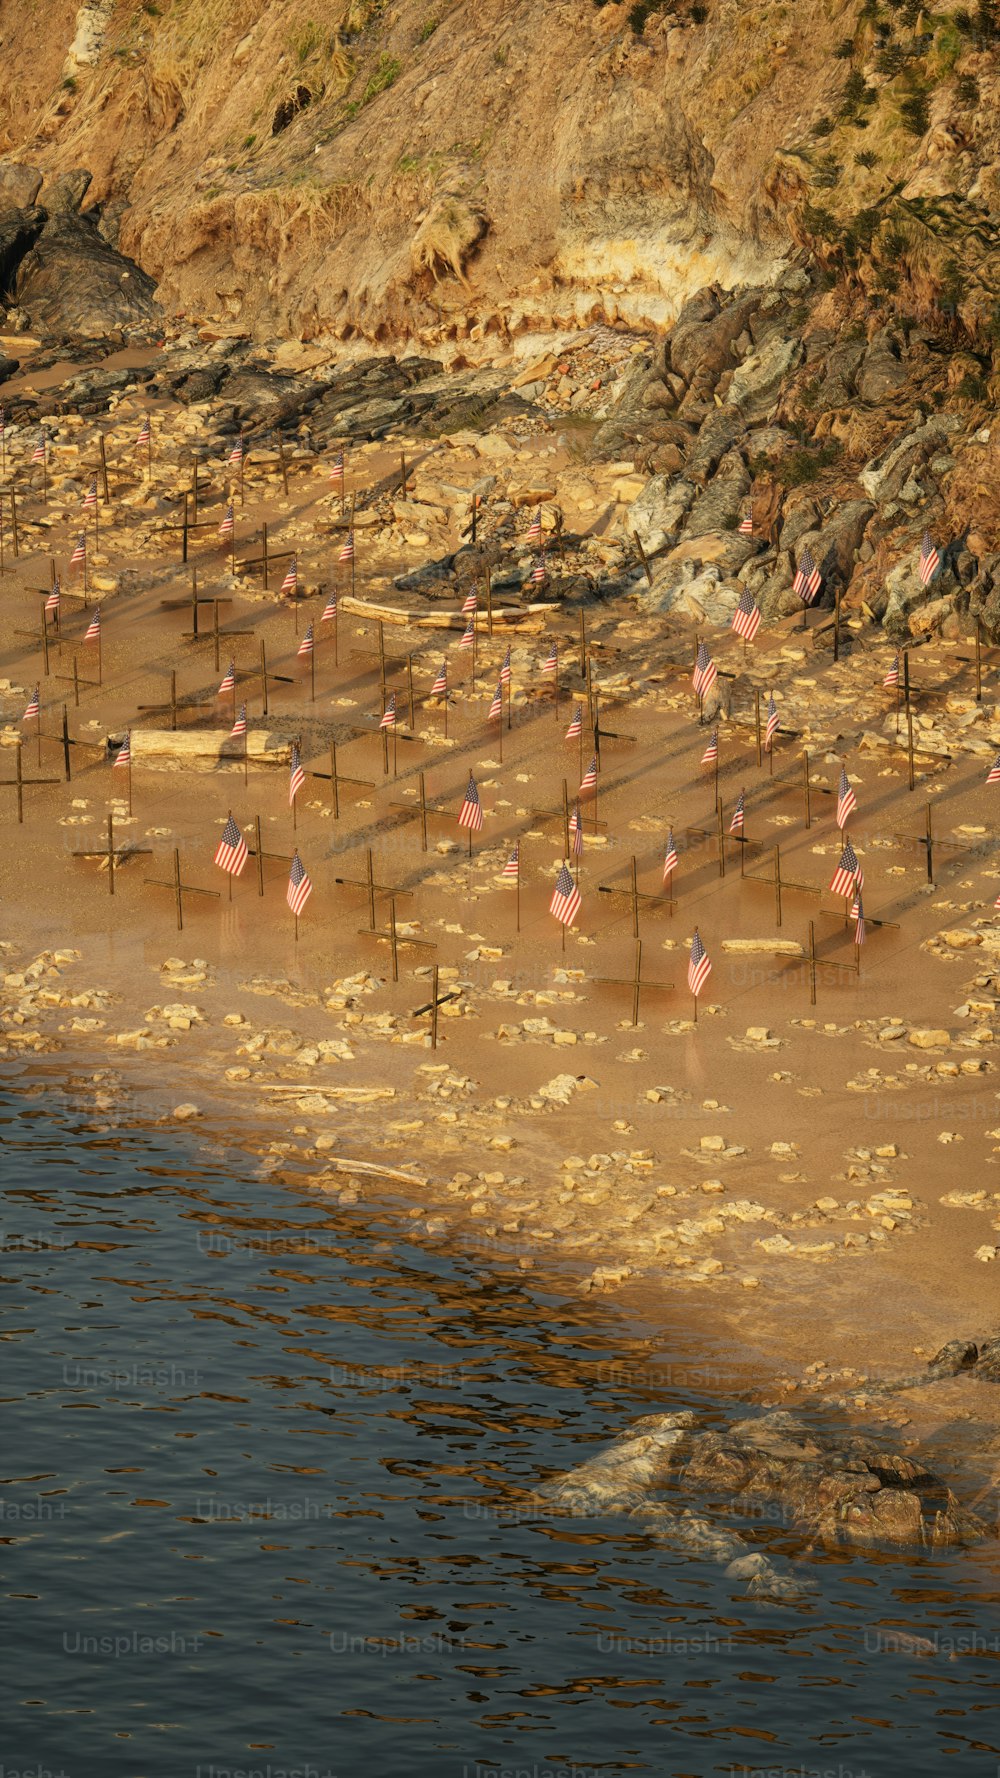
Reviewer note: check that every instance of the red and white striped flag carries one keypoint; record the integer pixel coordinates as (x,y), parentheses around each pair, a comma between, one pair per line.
(711,752)
(296,777)
(505,670)
(739,812)
(807,580)
(746,522)
(228,523)
(496,707)
(847,802)
(930,559)
(90,497)
(231,853)
(347,548)
(535,528)
(33,707)
(589,779)
(746,617)
(93,631)
(576,831)
(468,636)
(440,687)
(848,878)
(337,469)
(669,857)
(228,682)
(891,679)
(240,725)
(38,454)
(80,551)
(538,571)
(705,672)
(551,665)
(566,897)
(513,864)
(299,887)
(124,754)
(859,922)
(330,609)
(52,602)
(471,601)
(576,724)
(772,722)
(993,775)
(236,454)
(699,966)
(389,713)
(307,644)
(290,584)
(471,812)
(145,435)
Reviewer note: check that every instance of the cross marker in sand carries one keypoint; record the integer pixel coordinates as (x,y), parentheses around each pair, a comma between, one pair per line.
(114,854)
(335,779)
(180,889)
(634,895)
(392,938)
(368,882)
(432,1005)
(20,783)
(634,981)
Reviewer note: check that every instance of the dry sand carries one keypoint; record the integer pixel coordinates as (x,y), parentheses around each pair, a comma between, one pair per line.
(820,1180)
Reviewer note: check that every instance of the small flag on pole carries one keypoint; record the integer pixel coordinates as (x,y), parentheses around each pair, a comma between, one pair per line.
(347,548)
(669,857)
(859,922)
(330,610)
(847,802)
(711,752)
(389,714)
(337,469)
(736,824)
(33,706)
(240,725)
(891,679)
(38,454)
(699,966)
(576,724)
(52,602)
(807,580)
(306,645)
(228,523)
(93,631)
(746,617)
(496,707)
(145,435)
(589,779)
(705,671)
(231,853)
(566,897)
(297,777)
(468,636)
(772,722)
(513,863)
(993,775)
(535,528)
(551,664)
(299,887)
(236,454)
(90,497)
(576,831)
(930,559)
(538,570)
(229,679)
(848,878)
(505,670)
(80,551)
(471,812)
(290,584)
(746,522)
(440,687)
(124,754)
(471,601)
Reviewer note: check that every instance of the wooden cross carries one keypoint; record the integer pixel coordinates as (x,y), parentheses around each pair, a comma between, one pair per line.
(392,938)
(563,816)
(336,779)
(180,889)
(267,678)
(423,808)
(384,661)
(111,852)
(826,963)
(75,681)
(432,1005)
(928,841)
(216,634)
(635,982)
(21,784)
(604,734)
(266,557)
(259,853)
(173,705)
(194,602)
(368,882)
(780,884)
(634,895)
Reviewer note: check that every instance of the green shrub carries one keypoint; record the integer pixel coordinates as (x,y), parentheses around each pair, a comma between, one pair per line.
(381,78)
(915,113)
(427,29)
(806,465)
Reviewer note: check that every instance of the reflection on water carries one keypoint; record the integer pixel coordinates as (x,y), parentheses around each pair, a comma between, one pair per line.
(266,1507)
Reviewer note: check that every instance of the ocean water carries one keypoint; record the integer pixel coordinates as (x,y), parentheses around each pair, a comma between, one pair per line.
(265,1509)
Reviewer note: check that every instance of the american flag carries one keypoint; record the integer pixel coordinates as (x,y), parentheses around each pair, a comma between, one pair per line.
(535,528)
(228,525)
(299,887)
(52,602)
(33,707)
(711,752)
(847,802)
(576,724)
(566,897)
(38,454)
(471,601)
(705,671)
(699,966)
(124,754)
(746,617)
(229,679)
(848,876)
(772,722)
(859,922)
(240,725)
(389,713)
(93,631)
(297,776)
(736,824)
(513,864)
(669,856)
(471,812)
(538,570)
(236,454)
(80,552)
(290,584)
(576,831)
(231,852)
(90,497)
(505,670)
(551,665)
(440,687)
(305,647)
(468,636)
(337,468)
(145,435)
(496,708)
(993,775)
(347,548)
(891,679)
(330,609)
(746,522)
(930,559)
(807,580)
(589,779)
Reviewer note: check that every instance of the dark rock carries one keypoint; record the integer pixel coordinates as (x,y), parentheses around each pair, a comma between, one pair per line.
(8,367)
(957,1355)
(988,1364)
(839,385)
(719,432)
(19,185)
(19,230)
(880,373)
(73,282)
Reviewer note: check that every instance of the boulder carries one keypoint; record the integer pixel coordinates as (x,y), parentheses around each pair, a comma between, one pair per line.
(73,282)
(884,476)
(756,383)
(880,373)
(19,185)
(656,517)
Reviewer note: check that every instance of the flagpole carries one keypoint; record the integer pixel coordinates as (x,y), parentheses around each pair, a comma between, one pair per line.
(517,887)
(130,774)
(245,738)
(312,675)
